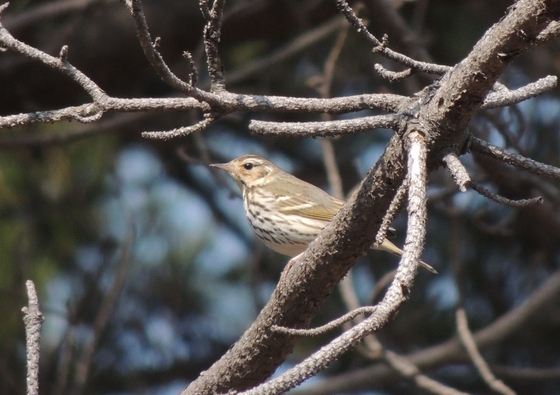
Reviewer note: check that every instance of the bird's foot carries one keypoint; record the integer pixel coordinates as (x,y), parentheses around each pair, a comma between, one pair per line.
(288,266)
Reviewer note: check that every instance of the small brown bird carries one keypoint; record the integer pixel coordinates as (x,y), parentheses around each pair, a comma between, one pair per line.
(286,213)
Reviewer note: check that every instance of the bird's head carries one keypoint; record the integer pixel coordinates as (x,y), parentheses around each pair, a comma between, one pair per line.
(249,170)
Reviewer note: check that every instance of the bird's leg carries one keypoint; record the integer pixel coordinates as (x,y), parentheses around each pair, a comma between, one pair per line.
(288,266)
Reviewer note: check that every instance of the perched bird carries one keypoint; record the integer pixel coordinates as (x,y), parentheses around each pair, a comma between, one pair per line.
(286,213)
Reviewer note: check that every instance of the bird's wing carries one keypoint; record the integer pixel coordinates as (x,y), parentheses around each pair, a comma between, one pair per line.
(321,207)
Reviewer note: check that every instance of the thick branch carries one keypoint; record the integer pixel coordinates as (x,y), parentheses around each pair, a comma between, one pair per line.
(467,84)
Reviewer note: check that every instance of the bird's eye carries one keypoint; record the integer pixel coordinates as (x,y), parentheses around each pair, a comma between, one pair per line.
(248,166)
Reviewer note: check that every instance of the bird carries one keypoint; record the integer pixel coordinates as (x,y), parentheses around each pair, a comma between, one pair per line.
(285,212)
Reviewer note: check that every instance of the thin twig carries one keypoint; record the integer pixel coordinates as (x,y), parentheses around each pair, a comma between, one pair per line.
(381,48)
(503,127)
(324,90)
(333,174)
(64,362)
(106,308)
(506,97)
(60,64)
(212,34)
(183,131)
(156,60)
(394,208)
(33,319)
(381,284)
(367,310)
(193,72)
(408,370)
(502,200)
(519,161)
(392,76)
(457,170)
(469,343)
(526,374)
(551,32)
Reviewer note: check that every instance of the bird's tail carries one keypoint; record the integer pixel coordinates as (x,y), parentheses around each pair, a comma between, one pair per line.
(393,249)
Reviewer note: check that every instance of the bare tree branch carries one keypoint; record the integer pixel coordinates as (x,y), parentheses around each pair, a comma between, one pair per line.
(111,104)
(392,76)
(406,369)
(472,79)
(470,346)
(457,170)
(33,319)
(184,131)
(550,33)
(368,310)
(212,33)
(156,60)
(417,213)
(324,129)
(392,212)
(381,46)
(526,374)
(106,308)
(519,161)
(502,200)
(450,351)
(505,97)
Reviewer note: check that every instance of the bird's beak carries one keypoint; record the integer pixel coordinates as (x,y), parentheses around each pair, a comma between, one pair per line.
(223,166)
